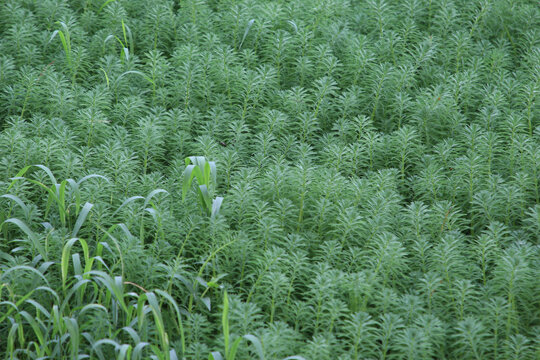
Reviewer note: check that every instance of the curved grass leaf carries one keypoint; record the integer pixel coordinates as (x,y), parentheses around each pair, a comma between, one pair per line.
(31,235)
(126,202)
(17,200)
(105,4)
(66,250)
(216,205)
(180,325)
(82,217)
(248,27)
(152,194)
(215,355)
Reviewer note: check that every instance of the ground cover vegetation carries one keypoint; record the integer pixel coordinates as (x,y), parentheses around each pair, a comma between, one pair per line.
(249,179)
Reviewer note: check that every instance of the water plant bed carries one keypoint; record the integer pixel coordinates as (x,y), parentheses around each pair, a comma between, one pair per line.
(269,179)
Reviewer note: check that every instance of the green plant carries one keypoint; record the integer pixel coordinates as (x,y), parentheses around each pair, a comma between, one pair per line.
(125,45)
(232,348)
(380,164)
(205,172)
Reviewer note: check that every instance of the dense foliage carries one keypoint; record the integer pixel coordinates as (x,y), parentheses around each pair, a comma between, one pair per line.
(378,163)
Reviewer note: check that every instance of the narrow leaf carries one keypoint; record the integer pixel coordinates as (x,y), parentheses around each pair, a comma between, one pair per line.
(216,205)
(126,202)
(33,237)
(82,217)
(17,200)
(257,344)
(105,4)
(152,194)
(215,355)
(248,27)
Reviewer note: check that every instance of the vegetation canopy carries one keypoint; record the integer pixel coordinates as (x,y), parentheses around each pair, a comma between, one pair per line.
(269,179)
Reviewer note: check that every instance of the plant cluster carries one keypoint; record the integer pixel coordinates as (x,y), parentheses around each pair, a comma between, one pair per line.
(205,172)
(378,165)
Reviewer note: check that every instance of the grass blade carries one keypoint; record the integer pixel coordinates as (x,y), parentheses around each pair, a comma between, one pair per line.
(33,237)
(17,200)
(216,205)
(82,217)
(66,250)
(257,344)
(105,4)
(225,323)
(248,27)
(215,355)
(126,202)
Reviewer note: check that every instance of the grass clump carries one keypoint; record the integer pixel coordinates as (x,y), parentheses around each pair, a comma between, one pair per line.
(205,173)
